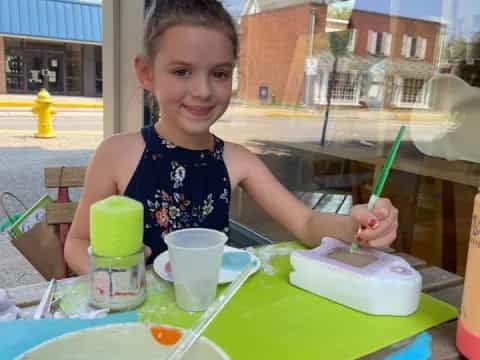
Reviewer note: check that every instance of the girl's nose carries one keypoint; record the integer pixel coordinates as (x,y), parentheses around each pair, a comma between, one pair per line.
(201,87)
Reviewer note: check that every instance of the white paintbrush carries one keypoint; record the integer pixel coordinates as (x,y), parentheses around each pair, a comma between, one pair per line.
(44,307)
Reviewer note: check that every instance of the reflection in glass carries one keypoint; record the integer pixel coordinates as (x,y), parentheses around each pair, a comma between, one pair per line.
(413,63)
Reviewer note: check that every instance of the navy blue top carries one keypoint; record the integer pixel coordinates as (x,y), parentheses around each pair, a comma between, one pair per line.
(179,188)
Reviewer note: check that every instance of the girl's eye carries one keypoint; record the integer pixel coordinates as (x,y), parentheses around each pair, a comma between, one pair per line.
(224,75)
(181,72)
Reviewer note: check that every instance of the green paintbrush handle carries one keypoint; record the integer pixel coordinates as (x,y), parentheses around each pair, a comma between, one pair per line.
(388,163)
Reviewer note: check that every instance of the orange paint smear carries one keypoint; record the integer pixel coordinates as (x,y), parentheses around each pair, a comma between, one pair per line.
(165,335)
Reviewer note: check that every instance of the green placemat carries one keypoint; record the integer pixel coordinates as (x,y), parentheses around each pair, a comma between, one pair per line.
(270,319)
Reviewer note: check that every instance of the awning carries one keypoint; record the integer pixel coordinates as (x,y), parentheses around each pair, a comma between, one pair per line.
(400,67)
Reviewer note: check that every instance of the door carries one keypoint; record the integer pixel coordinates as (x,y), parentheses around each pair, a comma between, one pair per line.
(35,66)
(54,72)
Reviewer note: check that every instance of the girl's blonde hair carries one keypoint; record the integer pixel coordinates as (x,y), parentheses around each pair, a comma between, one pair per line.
(164,14)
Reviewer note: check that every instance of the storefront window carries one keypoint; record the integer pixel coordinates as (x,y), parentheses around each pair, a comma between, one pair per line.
(15,43)
(403,65)
(73,69)
(32,65)
(14,67)
(98,70)
(345,87)
(411,89)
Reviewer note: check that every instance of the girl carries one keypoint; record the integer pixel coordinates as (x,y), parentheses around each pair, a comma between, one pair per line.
(179,170)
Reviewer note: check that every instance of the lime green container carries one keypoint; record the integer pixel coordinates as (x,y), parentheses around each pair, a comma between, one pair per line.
(116,226)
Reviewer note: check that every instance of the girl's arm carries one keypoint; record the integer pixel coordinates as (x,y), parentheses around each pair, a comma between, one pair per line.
(99,184)
(307,225)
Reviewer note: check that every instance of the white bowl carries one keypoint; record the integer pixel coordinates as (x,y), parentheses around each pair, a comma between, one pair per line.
(118,341)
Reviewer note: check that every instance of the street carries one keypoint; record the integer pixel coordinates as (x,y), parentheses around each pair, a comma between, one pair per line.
(24,157)
(241,124)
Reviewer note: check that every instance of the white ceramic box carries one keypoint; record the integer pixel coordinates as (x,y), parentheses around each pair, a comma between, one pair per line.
(379,283)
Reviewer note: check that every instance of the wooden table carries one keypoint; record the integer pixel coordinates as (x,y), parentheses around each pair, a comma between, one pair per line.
(437,282)
(411,162)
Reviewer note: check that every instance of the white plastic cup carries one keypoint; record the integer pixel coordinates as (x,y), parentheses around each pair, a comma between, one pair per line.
(195,257)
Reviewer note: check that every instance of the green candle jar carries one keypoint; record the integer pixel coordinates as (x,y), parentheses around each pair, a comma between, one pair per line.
(117,261)
(116,226)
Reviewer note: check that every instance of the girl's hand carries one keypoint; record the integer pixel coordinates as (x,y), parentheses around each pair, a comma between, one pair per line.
(377,228)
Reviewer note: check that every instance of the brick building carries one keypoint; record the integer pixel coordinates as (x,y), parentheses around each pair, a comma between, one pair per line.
(274,45)
(285,52)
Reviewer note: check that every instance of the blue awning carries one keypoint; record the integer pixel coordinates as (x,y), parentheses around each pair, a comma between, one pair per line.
(67,20)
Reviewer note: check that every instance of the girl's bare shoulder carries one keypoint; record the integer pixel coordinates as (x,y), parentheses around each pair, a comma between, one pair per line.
(120,150)
(125,142)
(117,157)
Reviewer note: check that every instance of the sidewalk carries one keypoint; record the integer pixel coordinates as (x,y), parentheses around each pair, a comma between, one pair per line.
(276,111)
(24,158)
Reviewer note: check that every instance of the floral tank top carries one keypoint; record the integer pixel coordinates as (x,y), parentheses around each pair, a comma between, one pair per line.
(179,188)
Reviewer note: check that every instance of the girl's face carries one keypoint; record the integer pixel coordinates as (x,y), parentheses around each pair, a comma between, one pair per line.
(191,76)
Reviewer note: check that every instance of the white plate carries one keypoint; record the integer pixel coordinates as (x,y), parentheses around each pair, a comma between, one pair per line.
(161,266)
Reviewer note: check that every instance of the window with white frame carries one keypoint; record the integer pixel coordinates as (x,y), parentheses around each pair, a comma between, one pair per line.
(414,47)
(411,89)
(379,43)
(352,41)
(345,88)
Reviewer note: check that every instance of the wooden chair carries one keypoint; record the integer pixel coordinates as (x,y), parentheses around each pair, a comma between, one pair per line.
(60,213)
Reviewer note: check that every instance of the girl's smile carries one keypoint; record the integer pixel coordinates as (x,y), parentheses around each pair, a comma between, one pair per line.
(198,111)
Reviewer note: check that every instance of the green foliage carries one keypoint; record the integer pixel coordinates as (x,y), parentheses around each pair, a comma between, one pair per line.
(339,42)
(456,49)
(340,13)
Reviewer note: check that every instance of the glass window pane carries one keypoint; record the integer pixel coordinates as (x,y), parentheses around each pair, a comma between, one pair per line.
(73,60)
(15,83)
(339,104)
(14,64)
(98,71)
(74,85)
(12,43)
(98,61)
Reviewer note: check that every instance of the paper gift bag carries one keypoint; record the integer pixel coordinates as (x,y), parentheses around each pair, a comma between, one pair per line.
(41,246)
(36,240)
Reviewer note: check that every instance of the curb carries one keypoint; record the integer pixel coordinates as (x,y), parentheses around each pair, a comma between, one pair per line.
(30,133)
(291,114)
(417,116)
(30,104)
(26,111)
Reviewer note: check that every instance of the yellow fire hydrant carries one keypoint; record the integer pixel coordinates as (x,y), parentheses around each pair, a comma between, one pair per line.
(44,109)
